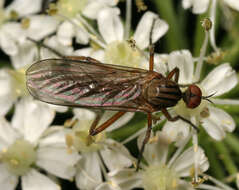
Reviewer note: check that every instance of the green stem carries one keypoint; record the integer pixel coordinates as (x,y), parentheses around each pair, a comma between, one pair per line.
(232,53)
(226,157)
(199,35)
(5,63)
(215,165)
(233,142)
(174,36)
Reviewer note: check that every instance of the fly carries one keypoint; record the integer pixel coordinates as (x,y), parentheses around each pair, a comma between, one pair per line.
(87,83)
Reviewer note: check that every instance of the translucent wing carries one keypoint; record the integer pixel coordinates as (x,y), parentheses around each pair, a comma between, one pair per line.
(85,82)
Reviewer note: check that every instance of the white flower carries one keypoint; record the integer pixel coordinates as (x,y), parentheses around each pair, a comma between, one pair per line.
(13,86)
(124,179)
(117,49)
(161,173)
(220,80)
(90,169)
(217,184)
(158,172)
(93,7)
(89,8)
(199,7)
(74,24)
(26,143)
(24,7)
(12,33)
(27,51)
(111,44)
(53,43)
(12,83)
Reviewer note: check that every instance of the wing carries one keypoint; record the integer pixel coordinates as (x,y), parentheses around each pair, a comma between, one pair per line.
(85,82)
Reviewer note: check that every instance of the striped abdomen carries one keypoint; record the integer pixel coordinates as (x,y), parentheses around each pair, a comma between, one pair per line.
(162,93)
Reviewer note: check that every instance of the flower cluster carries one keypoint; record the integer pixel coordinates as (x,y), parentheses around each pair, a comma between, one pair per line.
(43,145)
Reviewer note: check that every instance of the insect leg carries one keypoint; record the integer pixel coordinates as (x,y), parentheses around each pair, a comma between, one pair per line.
(146,139)
(39,44)
(170,118)
(151,48)
(175,72)
(151,58)
(96,121)
(94,131)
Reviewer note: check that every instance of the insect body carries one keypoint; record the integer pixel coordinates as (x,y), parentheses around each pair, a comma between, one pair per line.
(85,82)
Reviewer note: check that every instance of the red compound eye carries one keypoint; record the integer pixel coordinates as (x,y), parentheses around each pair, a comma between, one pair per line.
(193,96)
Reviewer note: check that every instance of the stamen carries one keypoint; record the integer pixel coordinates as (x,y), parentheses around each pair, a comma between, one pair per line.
(201,57)
(128,18)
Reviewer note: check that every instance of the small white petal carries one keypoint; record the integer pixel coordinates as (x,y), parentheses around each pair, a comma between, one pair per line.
(14,31)
(185,185)
(184,61)
(41,26)
(10,34)
(220,80)
(7,96)
(107,186)
(234,4)
(126,179)
(60,166)
(156,151)
(144,64)
(93,7)
(54,137)
(65,33)
(214,130)
(8,181)
(25,7)
(81,34)
(26,55)
(142,33)
(187,3)
(89,174)
(31,116)
(177,131)
(91,10)
(5,104)
(200,6)
(184,163)
(34,180)
(110,25)
(116,156)
(54,44)
(83,52)
(217,123)
(57,108)
(8,45)
(96,54)
(82,37)
(7,134)
(160,63)
(99,55)
(81,113)
(5,82)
